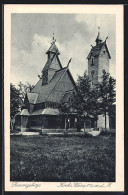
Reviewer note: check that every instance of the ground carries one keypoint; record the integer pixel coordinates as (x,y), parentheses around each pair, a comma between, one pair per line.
(63,158)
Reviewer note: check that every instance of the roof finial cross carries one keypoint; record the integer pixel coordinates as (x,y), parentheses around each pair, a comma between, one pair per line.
(98,28)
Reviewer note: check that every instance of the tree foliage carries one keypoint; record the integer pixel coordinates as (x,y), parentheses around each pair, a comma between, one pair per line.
(85,100)
(94,101)
(24,88)
(15,100)
(17,96)
(107,95)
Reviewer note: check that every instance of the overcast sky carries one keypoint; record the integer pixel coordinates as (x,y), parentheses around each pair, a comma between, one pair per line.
(31,37)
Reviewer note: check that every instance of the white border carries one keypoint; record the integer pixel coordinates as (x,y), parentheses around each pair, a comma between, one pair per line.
(85,9)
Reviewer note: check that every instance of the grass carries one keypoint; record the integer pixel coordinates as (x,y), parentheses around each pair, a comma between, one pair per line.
(69,158)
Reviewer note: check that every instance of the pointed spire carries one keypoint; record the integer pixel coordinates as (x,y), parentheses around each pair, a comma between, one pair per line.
(53,48)
(98,39)
(53,33)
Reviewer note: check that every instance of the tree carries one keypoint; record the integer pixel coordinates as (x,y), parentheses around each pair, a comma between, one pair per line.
(82,97)
(24,88)
(17,96)
(15,100)
(84,101)
(107,94)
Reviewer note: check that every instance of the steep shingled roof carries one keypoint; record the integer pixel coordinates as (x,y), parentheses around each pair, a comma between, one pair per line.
(49,62)
(44,91)
(32,97)
(53,48)
(66,96)
(55,96)
(47,65)
(95,51)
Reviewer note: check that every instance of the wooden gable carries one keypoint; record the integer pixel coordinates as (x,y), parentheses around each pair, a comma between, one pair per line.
(65,84)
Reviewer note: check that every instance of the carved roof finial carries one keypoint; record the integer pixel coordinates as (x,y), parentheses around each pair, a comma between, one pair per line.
(53,33)
(106,39)
(69,62)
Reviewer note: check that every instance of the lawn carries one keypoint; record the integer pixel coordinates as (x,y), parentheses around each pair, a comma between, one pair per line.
(59,158)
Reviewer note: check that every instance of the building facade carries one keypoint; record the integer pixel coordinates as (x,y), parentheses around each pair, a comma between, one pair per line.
(98,60)
(41,109)
(98,63)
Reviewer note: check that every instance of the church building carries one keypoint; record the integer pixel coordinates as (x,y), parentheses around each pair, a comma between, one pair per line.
(56,85)
(98,63)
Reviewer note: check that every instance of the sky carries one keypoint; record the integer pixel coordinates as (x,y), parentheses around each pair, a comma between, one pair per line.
(31,37)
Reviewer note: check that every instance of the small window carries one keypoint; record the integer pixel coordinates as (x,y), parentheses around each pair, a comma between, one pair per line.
(103,71)
(104,52)
(92,73)
(92,60)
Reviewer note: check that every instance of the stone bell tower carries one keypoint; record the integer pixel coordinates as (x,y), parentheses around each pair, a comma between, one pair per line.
(98,60)
(98,63)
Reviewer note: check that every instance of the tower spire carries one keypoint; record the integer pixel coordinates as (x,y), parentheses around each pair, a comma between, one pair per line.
(98,39)
(98,28)
(53,33)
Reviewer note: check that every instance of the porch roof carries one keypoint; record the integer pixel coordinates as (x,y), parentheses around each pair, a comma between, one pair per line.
(46,111)
(25,112)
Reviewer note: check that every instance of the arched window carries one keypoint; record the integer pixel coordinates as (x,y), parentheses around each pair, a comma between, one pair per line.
(103,71)
(92,60)
(92,73)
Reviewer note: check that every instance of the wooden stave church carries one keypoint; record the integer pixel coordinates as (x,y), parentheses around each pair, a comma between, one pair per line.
(41,109)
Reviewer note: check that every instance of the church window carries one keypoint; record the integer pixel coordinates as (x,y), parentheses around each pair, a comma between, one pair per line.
(104,52)
(103,71)
(92,73)
(92,61)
